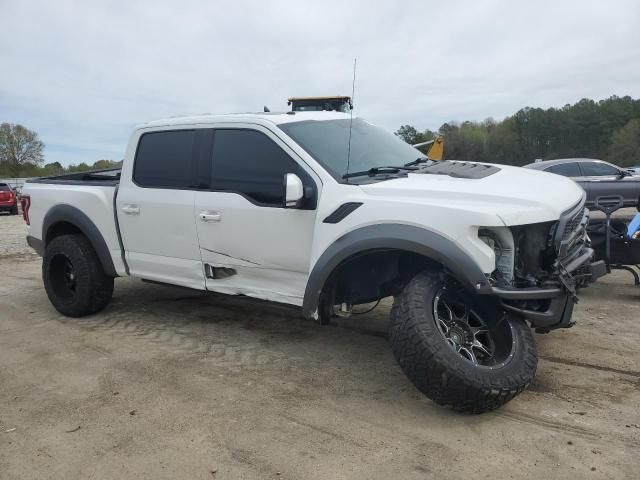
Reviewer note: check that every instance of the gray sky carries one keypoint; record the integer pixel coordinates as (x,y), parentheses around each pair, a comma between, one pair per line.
(83,73)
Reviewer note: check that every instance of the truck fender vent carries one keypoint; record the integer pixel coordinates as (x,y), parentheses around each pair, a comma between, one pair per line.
(341,212)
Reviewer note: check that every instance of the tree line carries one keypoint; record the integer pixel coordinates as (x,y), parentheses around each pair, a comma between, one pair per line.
(21,155)
(607,129)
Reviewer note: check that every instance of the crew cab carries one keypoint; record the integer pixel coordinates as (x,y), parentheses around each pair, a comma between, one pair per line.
(8,199)
(322,211)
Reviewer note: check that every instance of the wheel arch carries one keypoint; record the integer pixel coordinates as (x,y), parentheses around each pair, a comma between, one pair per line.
(65,219)
(427,244)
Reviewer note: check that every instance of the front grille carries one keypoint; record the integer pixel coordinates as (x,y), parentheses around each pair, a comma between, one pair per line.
(553,253)
(573,223)
(571,234)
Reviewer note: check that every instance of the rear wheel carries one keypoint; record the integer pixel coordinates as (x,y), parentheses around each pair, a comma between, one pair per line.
(14,210)
(73,277)
(459,348)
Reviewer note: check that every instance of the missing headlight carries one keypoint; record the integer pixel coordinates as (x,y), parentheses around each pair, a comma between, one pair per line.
(502,251)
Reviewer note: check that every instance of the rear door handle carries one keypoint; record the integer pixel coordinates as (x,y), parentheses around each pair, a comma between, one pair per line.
(209,216)
(130,209)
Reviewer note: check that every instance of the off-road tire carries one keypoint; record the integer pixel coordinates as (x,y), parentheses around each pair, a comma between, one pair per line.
(440,372)
(93,288)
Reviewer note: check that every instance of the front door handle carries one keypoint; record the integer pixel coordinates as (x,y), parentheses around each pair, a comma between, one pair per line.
(209,216)
(130,209)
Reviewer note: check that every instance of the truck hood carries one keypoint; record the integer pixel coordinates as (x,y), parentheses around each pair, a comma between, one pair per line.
(516,195)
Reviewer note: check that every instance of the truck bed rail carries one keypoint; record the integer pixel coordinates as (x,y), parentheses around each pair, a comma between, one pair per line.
(109,177)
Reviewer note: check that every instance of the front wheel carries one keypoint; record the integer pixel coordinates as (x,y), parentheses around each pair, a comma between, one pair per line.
(458,348)
(73,276)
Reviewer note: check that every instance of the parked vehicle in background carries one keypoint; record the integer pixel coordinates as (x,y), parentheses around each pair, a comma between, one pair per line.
(8,199)
(323,212)
(597,177)
(15,183)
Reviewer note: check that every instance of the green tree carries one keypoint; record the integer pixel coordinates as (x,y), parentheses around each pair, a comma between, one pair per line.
(81,167)
(103,164)
(412,136)
(625,145)
(409,134)
(584,129)
(503,145)
(53,168)
(19,147)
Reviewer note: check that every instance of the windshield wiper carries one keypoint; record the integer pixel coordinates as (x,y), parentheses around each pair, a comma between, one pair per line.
(379,170)
(418,161)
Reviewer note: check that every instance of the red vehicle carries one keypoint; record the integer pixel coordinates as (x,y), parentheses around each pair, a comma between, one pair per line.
(8,199)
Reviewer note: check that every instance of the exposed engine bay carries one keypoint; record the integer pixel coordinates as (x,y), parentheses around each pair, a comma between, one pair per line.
(541,254)
(553,256)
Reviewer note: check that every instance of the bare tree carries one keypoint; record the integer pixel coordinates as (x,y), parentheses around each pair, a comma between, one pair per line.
(19,146)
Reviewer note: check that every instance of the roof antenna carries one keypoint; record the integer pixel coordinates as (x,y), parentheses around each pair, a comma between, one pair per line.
(266,109)
(353,96)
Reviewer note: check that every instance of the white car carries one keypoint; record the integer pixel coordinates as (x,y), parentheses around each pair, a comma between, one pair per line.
(323,213)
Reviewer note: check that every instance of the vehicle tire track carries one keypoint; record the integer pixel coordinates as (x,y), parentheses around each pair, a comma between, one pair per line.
(565,428)
(576,363)
(166,329)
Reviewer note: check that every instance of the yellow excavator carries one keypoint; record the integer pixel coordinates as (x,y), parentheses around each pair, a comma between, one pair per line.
(433,149)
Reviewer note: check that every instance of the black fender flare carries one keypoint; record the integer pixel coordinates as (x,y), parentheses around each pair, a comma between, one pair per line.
(390,236)
(69,214)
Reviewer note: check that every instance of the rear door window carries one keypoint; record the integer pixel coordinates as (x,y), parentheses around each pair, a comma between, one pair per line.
(4,187)
(596,169)
(566,169)
(164,159)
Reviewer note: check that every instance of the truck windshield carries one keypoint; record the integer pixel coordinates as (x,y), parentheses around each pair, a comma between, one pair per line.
(327,141)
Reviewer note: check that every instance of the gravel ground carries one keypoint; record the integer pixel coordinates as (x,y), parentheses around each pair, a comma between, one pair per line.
(171,383)
(12,237)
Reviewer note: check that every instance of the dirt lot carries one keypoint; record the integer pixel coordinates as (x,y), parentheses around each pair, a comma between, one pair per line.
(170,383)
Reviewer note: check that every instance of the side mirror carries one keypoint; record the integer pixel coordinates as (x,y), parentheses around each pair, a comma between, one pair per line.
(293,190)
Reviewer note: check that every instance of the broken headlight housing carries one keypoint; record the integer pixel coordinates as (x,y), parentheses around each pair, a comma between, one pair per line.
(500,240)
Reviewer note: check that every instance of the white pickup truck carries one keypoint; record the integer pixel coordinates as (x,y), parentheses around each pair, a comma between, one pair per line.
(323,212)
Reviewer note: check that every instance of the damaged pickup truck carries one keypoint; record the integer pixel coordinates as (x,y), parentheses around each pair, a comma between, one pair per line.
(317,211)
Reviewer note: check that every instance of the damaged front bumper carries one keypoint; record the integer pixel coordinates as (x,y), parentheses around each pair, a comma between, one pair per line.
(549,305)
(548,308)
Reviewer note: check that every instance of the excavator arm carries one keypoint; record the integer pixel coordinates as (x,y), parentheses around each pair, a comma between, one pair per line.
(433,149)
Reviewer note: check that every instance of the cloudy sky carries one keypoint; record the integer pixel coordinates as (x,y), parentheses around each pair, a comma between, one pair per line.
(83,73)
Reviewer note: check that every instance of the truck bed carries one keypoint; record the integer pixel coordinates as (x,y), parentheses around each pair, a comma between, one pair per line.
(90,195)
(107,178)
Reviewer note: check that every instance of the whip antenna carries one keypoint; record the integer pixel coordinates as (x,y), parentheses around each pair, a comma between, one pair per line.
(353,96)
